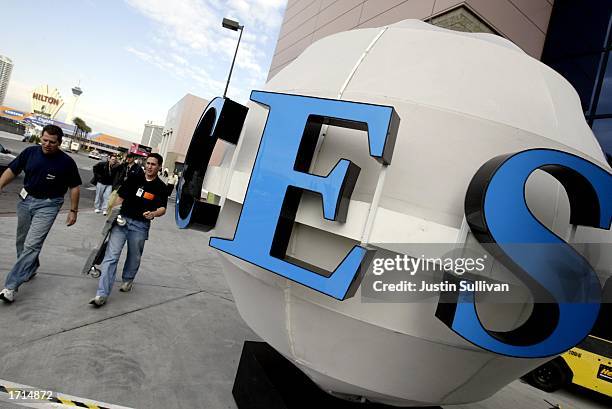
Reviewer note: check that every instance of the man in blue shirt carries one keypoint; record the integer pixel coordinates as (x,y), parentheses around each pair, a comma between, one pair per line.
(49,173)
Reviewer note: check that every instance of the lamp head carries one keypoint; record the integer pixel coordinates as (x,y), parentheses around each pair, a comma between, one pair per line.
(231,24)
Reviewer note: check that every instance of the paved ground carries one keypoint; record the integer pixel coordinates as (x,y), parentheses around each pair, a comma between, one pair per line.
(173,342)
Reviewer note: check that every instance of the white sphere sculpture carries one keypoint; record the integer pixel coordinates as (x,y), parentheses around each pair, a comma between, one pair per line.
(462,99)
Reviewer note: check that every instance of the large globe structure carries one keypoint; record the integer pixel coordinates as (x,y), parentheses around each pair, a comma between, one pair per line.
(462,100)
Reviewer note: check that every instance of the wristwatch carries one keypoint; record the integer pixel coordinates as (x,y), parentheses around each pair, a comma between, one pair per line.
(75,211)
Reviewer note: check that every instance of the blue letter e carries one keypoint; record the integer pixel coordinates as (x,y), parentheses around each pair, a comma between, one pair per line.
(280,174)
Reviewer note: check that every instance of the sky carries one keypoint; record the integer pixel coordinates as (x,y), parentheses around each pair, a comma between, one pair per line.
(134,59)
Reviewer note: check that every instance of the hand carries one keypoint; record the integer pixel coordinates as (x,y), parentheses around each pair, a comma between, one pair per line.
(149,215)
(71,219)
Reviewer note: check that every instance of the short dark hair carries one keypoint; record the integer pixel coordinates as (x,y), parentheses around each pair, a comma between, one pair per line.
(53,130)
(157,156)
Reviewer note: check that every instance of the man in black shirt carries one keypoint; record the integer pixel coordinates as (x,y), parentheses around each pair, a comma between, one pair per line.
(49,173)
(143,198)
(104,173)
(127,169)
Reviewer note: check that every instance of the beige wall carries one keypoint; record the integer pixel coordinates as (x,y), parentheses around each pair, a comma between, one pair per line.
(522,21)
(180,123)
(192,110)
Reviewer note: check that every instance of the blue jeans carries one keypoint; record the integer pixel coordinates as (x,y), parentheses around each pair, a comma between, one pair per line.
(34,220)
(135,232)
(102,194)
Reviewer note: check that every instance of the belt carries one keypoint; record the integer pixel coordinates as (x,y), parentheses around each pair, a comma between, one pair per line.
(41,196)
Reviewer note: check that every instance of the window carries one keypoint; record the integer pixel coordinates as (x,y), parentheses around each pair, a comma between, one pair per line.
(578,45)
(602,128)
(604,102)
(461,19)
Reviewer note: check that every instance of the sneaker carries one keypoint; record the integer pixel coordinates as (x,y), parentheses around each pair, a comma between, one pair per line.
(126,287)
(104,213)
(97,210)
(98,301)
(7,295)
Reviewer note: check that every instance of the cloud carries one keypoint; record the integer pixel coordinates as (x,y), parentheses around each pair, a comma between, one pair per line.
(180,60)
(180,68)
(18,95)
(258,12)
(184,21)
(189,31)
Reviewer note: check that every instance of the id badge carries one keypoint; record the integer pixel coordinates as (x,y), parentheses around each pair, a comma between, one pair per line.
(23,193)
(139,192)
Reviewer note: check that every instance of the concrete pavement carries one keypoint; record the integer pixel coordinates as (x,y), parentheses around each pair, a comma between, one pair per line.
(173,342)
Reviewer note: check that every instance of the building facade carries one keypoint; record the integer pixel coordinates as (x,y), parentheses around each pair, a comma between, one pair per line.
(524,22)
(572,37)
(181,122)
(6,67)
(152,135)
(108,144)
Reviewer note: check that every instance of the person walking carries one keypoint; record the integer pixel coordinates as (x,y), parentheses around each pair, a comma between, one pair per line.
(104,174)
(142,198)
(124,170)
(49,173)
(129,168)
(172,181)
(164,176)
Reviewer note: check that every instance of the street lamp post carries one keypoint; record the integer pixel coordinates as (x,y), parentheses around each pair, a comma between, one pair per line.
(234,26)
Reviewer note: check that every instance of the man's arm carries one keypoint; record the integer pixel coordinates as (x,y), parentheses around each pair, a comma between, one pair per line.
(75,194)
(155,213)
(118,173)
(97,170)
(117,201)
(6,178)
(159,212)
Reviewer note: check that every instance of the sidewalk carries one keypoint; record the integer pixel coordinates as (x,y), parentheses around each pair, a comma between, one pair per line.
(173,342)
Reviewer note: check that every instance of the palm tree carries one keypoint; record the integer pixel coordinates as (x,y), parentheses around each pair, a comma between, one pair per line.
(87,130)
(82,128)
(78,122)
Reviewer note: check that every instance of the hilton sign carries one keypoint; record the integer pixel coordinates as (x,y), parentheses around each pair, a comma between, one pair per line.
(45,98)
(46,101)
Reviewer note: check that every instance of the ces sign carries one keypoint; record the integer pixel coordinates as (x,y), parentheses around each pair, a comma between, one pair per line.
(495,210)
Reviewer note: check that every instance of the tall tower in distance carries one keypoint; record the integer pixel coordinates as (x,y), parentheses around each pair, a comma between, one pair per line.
(76,93)
(152,135)
(6,67)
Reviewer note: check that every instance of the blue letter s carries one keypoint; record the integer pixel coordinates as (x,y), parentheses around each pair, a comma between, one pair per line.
(497,213)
